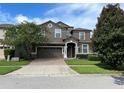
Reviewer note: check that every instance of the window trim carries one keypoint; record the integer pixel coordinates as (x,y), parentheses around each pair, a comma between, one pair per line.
(80,35)
(57,32)
(87,49)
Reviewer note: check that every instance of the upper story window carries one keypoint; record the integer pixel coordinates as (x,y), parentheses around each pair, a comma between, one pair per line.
(82,35)
(58,33)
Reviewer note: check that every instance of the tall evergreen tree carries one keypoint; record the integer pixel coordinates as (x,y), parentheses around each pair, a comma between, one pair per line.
(108,37)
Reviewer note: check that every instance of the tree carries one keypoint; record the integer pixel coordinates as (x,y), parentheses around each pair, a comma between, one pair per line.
(25,35)
(108,37)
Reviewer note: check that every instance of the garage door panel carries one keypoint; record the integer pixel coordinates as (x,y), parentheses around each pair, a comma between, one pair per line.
(45,52)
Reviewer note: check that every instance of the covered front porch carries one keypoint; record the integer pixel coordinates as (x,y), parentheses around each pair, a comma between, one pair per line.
(73,47)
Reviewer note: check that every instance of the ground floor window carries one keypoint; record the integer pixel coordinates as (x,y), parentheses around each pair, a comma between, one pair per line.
(85,48)
(79,50)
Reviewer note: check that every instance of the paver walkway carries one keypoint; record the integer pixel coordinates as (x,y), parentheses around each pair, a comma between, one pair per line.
(51,66)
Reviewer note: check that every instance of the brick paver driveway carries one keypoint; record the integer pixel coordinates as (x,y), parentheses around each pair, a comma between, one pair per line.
(52,66)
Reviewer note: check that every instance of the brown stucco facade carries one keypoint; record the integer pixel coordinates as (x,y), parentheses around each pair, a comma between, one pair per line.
(68,43)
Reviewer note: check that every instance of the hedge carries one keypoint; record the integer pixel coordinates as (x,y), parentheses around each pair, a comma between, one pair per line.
(9,52)
(82,56)
(93,57)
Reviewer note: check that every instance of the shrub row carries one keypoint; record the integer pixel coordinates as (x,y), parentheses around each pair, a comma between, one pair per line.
(9,52)
(90,57)
(93,57)
(82,56)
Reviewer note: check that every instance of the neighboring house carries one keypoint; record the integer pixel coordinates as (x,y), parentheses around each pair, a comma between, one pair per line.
(64,41)
(2,33)
(2,36)
(3,28)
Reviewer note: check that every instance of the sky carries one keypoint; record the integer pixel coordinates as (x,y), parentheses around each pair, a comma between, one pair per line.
(77,15)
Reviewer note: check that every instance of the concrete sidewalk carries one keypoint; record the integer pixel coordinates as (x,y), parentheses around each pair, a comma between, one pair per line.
(84,81)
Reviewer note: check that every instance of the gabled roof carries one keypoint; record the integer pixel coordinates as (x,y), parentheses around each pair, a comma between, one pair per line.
(48,22)
(5,25)
(51,22)
(57,24)
(65,25)
(81,29)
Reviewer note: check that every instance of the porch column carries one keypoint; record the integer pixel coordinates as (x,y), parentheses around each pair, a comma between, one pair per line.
(76,50)
(65,51)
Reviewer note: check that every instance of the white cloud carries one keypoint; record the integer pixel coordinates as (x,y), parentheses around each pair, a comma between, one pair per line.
(42,20)
(86,14)
(77,15)
(20,18)
(66,13)
(65,8)
(71,8)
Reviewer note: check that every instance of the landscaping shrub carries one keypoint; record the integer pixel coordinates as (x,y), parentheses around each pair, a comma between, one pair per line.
(82,56)
(9,52)
(93,57)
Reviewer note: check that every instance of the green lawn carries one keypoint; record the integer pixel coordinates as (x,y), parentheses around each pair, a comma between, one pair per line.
(7,67)
(6,70)
(92,70)
(92,67)
(81,62)
(11,63)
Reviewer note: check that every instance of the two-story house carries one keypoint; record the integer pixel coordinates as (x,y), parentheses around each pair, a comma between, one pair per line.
(64,41)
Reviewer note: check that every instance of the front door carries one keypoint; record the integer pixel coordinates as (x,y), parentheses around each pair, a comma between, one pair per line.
(70,50)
